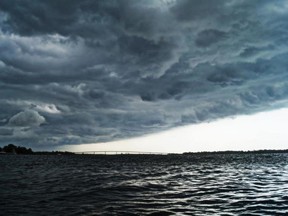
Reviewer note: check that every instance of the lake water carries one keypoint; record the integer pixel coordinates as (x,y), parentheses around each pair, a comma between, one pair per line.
(230,184)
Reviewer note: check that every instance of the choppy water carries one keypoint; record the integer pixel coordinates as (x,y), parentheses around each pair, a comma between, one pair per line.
(236,184)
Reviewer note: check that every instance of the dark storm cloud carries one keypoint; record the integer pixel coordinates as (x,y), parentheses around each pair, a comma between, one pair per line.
(188,10)
(207,37)
(92,71)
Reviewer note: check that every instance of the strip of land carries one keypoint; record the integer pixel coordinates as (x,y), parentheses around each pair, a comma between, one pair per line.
(13,149)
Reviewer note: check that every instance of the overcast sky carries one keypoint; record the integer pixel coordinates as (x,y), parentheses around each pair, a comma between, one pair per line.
(265,130)
(74,72)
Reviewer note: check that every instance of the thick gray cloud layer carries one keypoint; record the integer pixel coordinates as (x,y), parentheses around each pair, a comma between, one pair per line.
(92,71)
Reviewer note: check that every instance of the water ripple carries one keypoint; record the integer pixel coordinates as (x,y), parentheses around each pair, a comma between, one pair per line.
(244,184)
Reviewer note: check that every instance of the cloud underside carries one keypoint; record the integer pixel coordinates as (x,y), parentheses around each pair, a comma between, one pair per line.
(88,71)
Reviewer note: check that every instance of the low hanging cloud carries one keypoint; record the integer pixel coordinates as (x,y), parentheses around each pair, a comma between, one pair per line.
(27,118)
(88,71)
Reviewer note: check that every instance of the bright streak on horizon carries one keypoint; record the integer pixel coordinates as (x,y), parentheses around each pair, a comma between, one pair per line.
(266,130)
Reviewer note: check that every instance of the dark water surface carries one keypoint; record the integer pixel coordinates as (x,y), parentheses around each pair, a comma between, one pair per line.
(231,184)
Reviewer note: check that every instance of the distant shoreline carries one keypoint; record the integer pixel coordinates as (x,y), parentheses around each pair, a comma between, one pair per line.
(262,151)
(155,154)
(11,149)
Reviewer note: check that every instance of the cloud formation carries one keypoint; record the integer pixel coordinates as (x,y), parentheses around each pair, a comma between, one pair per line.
(27,118)
(95,71)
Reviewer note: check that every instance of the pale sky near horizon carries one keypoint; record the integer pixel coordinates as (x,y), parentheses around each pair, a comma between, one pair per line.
(266,130)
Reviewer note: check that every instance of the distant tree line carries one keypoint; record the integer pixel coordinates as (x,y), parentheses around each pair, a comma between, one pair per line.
(12,149)
(54,153)
(263,151)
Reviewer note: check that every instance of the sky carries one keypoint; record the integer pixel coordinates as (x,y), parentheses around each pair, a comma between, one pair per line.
(93,71)
(265,130)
